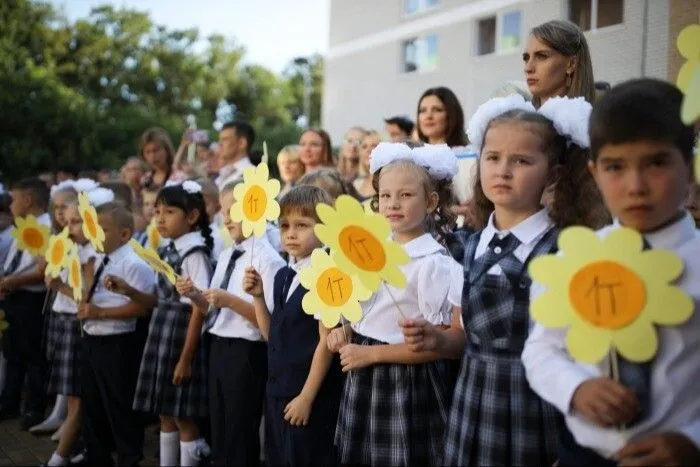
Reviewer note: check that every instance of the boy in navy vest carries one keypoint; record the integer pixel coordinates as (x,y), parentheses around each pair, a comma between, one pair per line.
(304,379)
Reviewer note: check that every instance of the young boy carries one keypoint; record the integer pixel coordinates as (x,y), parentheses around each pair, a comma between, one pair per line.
(641,159)
(23,290)
(148,210)
(238,354)
(110,345)
(304,378)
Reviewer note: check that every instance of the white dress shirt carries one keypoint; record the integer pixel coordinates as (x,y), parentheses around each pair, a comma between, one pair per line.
(195,266)
(65,303)
(28,263)
(267,262)
(232,172)
(5,243)
(675,373)
(123,263)
(296,266)
(429,275)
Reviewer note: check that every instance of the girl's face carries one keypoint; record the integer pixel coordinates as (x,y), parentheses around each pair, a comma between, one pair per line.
(351,143)
(155,155)
(370,142)
(514,169)
(291,169)
(311,150)
(432,119)
(404,202)
(173,222)
(75,225)
(60,204)
(545,69)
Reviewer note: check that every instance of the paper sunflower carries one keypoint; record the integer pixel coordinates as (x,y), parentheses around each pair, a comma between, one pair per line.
(57,253)
(331,292)
(75,274)
(152,258)
(688,80)
(153,236)
(255,200)
(3,324)
(31,236)
(609,292)
(91,227)
(359,242)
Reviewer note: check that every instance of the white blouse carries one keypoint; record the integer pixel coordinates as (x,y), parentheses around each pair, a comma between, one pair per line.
(64,303)
(195,266)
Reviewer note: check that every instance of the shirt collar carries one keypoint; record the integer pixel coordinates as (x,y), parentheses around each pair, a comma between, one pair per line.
(672,236)
(423,246)
(120,253)
(298,265)
(526,232)
(188,241)
(44,219)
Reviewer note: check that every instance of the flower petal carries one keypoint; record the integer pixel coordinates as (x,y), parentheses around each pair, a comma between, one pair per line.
(392,275)
(236,212)
(668,305)
(259,227)
(623,243)
(658,265)
(273,188)
(247,229)
(273,211)
(326,214)
(637,342)
(586,343)
(578,243)
(550,270)
(352,311)
(323,233)
(552,309)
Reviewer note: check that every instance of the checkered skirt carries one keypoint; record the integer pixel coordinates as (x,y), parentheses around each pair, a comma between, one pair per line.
(51,332)
(64,377)
(155,391)
(496,419)
(393,414)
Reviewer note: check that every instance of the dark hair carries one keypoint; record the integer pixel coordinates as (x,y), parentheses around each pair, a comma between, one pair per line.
(454,133)
(576,196)
(330,181)
(602,86)
(160,137)
(122,193)
(327,146)
(303,200)
(5,201)
(88,173)
(637,110)
(443,219)
(37,189)
(122,217)
(404,124)
(69,169)
(255,157)
(176,196)
(244,130)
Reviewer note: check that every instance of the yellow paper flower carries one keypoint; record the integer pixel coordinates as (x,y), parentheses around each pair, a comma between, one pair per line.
(75,274)
(688,80)
(255,200)
(153,236)
(91,227)
(359,242)
(331,292)
(152,258)
(57,253)
(609,292)
(3,324)
(31,236)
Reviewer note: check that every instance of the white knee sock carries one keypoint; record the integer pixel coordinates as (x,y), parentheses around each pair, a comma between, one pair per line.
(57,461)
(169,448)
(191,452)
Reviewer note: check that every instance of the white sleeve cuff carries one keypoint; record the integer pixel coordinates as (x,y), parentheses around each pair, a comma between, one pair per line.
(692,432)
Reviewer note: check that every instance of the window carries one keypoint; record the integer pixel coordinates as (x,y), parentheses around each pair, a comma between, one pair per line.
(501,33)
(420,54)
(596,14)
(411,7)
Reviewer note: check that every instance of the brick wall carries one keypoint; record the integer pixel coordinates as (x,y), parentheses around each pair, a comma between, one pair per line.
(681,14)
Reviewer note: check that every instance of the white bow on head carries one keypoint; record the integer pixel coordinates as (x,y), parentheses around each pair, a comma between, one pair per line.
(438,159)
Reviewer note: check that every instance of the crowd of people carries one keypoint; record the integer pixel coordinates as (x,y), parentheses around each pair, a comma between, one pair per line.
(448,370)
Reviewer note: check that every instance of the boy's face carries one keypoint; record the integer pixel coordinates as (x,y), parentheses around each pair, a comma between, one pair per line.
(234,228)
(644,183)
(149,205)
(297,234)
(115,236)
(21,203)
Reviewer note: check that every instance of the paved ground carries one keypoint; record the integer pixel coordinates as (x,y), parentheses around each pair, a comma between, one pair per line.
(19,448)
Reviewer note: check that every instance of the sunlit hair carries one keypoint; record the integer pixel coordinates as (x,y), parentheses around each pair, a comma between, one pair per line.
(160,137)
(120,215)
(327,152)
(362,170)
(330,181)
(302,200)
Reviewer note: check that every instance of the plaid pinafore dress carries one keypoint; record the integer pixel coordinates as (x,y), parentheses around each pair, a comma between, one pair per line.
(496,419)
(155,391)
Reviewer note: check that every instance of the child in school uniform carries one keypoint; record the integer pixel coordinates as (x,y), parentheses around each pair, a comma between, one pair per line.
(22,291)
(237,351)
(304,379)
(64,358)
(109,362)
(641,158)
(394,405)
(495,418)
(172,379)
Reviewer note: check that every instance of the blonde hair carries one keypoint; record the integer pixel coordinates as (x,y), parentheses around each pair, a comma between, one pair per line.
(290,151)
(347,166)
(568,39)
(330,181)
(512,87)
(369,133)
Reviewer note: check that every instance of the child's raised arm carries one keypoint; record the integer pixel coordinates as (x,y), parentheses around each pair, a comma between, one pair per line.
(120,286)
(253,285)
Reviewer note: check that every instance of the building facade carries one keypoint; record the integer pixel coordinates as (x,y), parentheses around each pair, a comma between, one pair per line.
(384,53)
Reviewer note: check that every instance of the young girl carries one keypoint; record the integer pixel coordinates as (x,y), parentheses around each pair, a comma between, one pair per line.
(64,377)
(172,378)
(394,405)
(495,417)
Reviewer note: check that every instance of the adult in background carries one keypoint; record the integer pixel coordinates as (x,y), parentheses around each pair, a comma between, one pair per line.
(235,142)
(441,118)
(363,183)
(290,167)
(349,156)
(315,150)
(156,148)
(557,62)
(398,128)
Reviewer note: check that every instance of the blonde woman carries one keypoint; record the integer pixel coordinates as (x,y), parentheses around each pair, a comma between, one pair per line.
(290,167)
(363,183)
(349,154)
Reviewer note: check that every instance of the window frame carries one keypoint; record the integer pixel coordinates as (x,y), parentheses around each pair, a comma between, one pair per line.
(594,16)
(419,49)
(423,7)
(498,45)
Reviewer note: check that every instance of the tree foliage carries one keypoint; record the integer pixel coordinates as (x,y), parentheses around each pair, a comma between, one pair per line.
(81,92)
